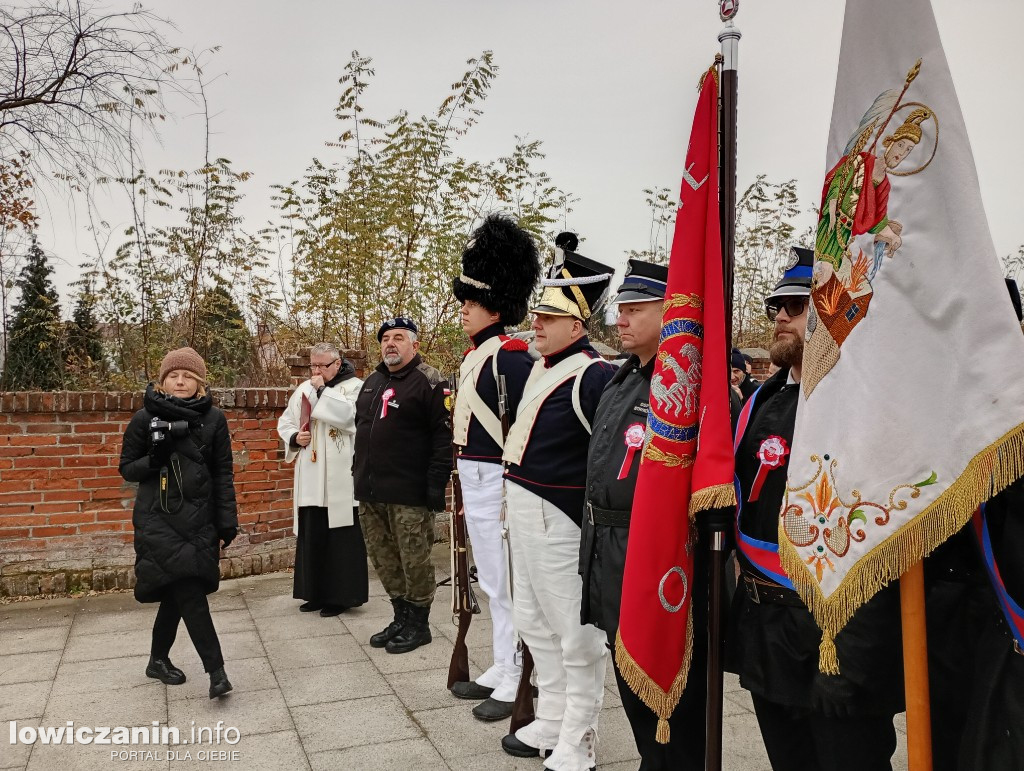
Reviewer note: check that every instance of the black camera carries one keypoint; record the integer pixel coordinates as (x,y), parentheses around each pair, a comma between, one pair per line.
(159,429)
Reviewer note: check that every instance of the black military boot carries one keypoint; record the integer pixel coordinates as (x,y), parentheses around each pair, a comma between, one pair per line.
(415,633)
(382,637)
(164,671)
(219,683)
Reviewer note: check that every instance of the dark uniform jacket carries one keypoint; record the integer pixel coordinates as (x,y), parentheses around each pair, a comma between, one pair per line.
(515,363)
(554,465)
(181,541)
(976,675)
(774,647)
(406,456)
(625,402)
(747,387)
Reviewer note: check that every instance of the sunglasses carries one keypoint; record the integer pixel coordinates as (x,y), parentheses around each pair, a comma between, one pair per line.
(794,307)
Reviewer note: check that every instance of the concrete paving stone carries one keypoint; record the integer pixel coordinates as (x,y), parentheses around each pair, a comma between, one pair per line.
(415,754)
(314,652)
(344,724)
(92,622)
(740,698)
(109,645)
(225,621)
(298,625)
(900,721)
(615,741)
(23,700)
(15,755)
(277,605)
(28,667)
(499,761)
(434,655)
(102,675)
(34,639)
(611,696)
(264,586)
(425,689)
(234,646)
(455,734)
(277,751)
(379,608)
(625,765)
(330,683)
(742,748)
(251,712)
(899,758)
(731,682)
(26,615)
(117,707)
(478,638)
(115,602)
(253,674)
(94,758)
(227,600)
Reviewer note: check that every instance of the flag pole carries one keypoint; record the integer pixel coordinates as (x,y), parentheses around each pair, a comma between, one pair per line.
(915,669)
(729,37)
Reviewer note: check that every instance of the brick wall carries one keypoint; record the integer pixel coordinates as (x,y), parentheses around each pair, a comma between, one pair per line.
(65,512)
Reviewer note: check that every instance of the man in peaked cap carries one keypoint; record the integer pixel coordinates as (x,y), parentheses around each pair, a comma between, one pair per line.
(545,471)
(808,720)
(500,268)
(613,463)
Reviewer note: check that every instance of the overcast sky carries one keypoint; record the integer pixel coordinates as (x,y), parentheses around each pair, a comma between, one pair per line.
(608,86)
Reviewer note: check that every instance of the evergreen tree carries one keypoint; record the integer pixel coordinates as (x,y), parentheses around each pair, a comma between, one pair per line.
(35,354)
(84,347)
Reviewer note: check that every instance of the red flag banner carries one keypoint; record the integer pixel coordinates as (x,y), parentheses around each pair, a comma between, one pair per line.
(687,462)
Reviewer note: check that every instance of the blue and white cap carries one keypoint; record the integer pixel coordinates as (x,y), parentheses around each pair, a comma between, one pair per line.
(796,281)
(643,282)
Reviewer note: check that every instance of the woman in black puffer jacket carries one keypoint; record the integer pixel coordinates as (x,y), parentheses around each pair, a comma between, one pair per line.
(178,448)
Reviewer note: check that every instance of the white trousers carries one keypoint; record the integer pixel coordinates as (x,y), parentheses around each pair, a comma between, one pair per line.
(481,498)
(569,657)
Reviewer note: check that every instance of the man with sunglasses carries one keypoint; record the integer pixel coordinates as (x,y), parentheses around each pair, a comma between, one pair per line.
(808,720)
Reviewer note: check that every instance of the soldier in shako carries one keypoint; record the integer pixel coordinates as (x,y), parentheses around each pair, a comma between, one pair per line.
(545,471)
(807,719)
(500,268)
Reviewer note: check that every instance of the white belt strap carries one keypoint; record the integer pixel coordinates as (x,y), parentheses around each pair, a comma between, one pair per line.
(468,402)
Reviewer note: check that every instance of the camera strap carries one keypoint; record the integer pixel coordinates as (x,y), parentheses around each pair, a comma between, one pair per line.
(175,465)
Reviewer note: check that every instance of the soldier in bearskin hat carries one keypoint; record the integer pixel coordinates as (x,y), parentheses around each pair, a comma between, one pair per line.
(500,268)
(546,471)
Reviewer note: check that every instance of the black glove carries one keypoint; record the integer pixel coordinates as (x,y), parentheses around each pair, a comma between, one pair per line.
(833,695)
(160,451)
(227,535)
(436,500)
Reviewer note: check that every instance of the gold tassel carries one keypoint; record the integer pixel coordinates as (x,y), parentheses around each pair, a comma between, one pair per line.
(988,473)
(828,657)
(714,497)
(662,734)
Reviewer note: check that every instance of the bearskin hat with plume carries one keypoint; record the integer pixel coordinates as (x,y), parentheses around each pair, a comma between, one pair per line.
(500,268)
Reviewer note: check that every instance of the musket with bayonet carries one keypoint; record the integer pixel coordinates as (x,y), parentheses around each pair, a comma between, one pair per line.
(464,602)
(522,707)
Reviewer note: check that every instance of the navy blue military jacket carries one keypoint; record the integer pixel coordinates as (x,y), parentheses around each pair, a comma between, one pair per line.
(554,465)
(515,363)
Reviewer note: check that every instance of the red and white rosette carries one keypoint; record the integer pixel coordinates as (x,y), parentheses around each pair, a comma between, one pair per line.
(634,438)
(384,399)
(772,454)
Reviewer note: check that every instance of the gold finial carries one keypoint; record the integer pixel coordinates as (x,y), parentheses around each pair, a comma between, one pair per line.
(914,72)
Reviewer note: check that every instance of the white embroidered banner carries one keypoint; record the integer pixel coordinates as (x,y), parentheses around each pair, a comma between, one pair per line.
(912,391)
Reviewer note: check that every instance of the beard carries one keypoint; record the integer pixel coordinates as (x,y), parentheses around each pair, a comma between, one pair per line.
(787,352)
(391,359)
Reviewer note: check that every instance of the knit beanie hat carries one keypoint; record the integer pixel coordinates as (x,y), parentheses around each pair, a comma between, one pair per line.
(183,358)
(737,360)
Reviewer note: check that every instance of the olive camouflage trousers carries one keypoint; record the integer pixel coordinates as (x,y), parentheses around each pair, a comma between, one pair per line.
(399,539)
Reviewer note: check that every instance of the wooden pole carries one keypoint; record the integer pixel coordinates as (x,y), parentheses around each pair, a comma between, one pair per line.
(915,669)
(729,38)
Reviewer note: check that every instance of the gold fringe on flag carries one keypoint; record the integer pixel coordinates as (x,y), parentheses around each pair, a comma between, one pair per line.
(989,472)
(714,497)
(662,703)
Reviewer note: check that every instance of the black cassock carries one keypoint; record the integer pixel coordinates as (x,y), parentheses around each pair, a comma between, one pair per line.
(330,563)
